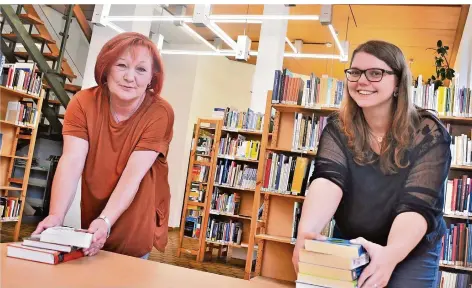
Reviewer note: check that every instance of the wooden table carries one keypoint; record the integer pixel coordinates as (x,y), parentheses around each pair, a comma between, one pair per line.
(114,270)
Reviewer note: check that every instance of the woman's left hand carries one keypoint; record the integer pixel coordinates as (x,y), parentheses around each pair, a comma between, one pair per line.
(382,262)
(100,230)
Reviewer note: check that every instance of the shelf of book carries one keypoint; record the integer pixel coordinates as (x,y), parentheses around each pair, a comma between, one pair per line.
(198,186)
(20,112)
(456,267)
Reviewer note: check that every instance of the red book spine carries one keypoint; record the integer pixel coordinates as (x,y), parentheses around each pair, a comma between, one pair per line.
(64,257)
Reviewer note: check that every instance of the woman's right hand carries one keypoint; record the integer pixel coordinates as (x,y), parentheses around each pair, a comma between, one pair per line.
(50,221)
(301,243)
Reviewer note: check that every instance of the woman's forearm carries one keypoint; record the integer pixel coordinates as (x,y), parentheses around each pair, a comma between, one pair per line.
(64,185)
(138,165)
(319,206)
(407,230)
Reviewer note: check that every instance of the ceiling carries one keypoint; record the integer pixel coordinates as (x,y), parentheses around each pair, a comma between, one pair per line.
(413,28)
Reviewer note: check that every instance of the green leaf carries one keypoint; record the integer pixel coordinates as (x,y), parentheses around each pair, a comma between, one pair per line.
(448,74)
(443,75)
(446,47)
(442,70)
(438,62)
(432,77)
(439,43)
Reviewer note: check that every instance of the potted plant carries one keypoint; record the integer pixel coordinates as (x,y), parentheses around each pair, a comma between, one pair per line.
(443,71)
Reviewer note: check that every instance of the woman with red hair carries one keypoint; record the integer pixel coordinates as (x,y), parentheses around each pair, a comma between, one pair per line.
(116,137)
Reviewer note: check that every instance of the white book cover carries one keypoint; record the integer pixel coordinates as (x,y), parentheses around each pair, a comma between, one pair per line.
(67,236)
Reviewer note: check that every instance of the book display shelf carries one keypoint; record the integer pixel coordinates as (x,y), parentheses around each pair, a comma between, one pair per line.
(20,111)
(275,233)
(220,185)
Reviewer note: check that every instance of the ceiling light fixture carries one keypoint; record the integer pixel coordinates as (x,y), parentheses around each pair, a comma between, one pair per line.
(210,22)
(187,19)
(220,17)
(291,45)
(222,34)
(336,40)
(193,33)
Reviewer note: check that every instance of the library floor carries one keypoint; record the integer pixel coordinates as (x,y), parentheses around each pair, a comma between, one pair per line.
(217,266)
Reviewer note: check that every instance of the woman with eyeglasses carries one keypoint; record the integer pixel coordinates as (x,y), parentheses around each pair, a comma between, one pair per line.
(380,171)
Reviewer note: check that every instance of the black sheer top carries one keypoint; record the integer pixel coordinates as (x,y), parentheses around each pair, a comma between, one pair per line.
(372,200)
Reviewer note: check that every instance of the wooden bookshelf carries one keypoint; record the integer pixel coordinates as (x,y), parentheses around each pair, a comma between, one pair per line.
(196,245)
(13,188)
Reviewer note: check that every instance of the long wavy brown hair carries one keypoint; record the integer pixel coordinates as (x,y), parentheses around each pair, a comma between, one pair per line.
(405,117)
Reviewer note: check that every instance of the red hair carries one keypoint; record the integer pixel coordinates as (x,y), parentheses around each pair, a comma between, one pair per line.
(117,46)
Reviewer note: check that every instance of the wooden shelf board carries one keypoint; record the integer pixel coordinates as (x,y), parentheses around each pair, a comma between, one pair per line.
(298,108)
(10,188)
(229,157)
(461,167)
(311,153)
(456,267)
(241,131)
(283,195)
(17,93)
(198,204)
(14,157)
(456,119)
(15,125)
(243,245)
(457,216)
(280,239)
(213,212)
(328,110)
(9,219)
(234,188)
(27,137)
(55,102)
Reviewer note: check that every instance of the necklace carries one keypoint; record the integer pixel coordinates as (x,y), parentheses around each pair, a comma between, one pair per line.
(136,108)
(377,138)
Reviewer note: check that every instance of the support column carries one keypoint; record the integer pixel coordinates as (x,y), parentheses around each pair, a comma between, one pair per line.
(270,55)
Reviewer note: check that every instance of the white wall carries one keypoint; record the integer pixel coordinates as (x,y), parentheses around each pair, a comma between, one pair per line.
(216,82)
(178,90)
(463,64)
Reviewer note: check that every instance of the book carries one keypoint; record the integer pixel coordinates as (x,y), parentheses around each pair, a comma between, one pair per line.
(67,236)
(325,282)
(333,261)
(335,246)
(18,250)
(34,242)
(329,272)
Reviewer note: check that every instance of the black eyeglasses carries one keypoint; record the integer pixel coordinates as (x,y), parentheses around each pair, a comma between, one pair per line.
(372,74)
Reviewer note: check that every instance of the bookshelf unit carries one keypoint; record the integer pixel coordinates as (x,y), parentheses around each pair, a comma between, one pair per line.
(272,234)
(198,184)
(13,191)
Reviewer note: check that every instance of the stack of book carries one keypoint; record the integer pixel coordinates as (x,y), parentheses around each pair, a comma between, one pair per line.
(330,263)
(53,246)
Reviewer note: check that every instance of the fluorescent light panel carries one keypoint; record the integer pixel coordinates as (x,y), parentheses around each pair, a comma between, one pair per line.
(336,40)
(222,34)
(115,27)
(198,36)
(149,18)
(220,17)
(291,45)
(199,53)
